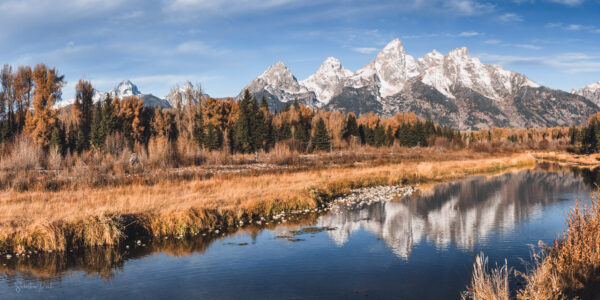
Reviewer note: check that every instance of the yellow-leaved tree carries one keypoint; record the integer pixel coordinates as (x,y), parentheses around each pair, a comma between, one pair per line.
(40,122)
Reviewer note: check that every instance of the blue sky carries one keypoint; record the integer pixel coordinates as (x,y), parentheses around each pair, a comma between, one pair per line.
(225,44)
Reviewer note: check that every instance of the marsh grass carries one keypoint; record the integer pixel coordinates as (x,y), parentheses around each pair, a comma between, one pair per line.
(486,283)
(105,215)
(570,269)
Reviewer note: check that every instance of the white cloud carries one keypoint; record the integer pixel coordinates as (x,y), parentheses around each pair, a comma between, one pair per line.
(529,46)
(223,7)
(492,42)
(568,2)
(468,7)
(365,50)
(566,62)
(510,17)
(469,34)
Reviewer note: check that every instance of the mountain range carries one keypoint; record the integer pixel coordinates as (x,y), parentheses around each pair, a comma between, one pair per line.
(454,89)
(126,88)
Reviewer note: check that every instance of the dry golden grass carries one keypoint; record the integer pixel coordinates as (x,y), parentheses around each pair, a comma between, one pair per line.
(570,158)
(98,216)
(488,284)
(571,268)
(568,270)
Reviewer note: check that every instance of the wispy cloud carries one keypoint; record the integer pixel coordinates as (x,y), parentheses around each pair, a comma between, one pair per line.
(566,62)
(529,46)
(468,7)
(568,2)
(492,42)
(573,27)
(510,17)
(365,50)
(469,33)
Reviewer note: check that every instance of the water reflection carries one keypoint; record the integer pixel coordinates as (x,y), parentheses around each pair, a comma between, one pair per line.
(463,213)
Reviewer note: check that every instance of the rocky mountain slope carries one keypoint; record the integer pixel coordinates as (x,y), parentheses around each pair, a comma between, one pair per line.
(454,89)
(590,91)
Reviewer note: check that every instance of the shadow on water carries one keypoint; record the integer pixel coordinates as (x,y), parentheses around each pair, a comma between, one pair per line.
(463,214)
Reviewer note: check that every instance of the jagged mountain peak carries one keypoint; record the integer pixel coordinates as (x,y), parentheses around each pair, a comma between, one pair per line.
(124,89)
(278,74)
(325,80)
(180,96)
(394,67)
(394,45)
(454,89)
(433,58)
(590,91)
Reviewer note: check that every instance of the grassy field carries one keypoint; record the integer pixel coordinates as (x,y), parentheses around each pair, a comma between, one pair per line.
(80,217)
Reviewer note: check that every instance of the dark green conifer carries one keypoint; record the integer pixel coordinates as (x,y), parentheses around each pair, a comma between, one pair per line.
(321,137)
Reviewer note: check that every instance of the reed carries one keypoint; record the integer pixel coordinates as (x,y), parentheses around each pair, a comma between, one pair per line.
(92,216)
(570,269)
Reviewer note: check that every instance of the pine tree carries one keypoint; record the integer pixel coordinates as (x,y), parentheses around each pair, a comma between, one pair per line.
(57,140)
(351,128)
(82,112)
(214,137)
(198,129)
(242,137)
(81,142)
(379,135)
(389,137)
(300,133)
(257,125)
(321,137)
(97,132)
(362,134)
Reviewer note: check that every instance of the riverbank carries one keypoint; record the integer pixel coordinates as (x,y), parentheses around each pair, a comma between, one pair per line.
(86,217)
(565,158)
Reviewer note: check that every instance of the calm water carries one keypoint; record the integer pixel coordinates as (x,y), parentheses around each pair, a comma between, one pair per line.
(421,247)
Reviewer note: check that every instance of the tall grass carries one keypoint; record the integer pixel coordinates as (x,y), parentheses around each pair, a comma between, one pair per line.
(51,220)
(570,269)
(488,284)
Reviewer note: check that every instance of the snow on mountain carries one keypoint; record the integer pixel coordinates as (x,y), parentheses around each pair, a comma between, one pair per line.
(124,89)
(459,68)
(326,79)
(389,71)
(394,67)
(279,86)
(181,96)
(590,91)
(454,89)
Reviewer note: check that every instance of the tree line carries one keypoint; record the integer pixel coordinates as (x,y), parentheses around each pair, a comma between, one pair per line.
(27,106)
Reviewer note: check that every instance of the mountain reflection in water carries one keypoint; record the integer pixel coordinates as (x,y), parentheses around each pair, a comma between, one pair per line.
(434,232)
(463,212)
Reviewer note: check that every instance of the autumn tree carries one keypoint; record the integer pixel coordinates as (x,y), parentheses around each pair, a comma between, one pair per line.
(40,123)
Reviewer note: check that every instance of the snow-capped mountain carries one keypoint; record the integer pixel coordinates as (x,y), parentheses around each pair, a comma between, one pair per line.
(279,86)
(590,91)
(454,89)
(327,78)
(125,89)
(181,96)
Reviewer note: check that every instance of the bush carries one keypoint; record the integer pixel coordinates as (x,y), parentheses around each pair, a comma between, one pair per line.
(25,155)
